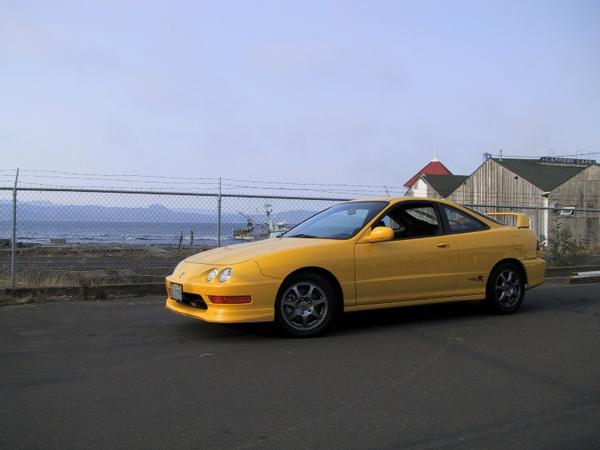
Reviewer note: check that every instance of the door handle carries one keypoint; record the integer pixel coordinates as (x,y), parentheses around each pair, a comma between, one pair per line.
(443,245)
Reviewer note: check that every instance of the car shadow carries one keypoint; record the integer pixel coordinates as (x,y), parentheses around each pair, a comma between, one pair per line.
(355,322)
(381,319)
(204,330)
(349,323)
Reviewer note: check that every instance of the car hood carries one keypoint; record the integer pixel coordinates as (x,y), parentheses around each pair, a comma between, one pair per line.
(239,253)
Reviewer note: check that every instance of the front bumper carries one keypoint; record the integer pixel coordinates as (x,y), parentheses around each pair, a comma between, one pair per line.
(247,280)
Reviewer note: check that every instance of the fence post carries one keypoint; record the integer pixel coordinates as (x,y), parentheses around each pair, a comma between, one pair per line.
(13,247)
(219,215)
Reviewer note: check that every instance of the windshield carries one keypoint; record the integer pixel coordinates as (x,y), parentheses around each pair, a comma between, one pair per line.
(338,222)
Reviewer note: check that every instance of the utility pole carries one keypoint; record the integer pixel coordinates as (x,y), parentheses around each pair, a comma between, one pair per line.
(219,215)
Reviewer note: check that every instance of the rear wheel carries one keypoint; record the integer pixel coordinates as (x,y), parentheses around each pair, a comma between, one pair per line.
(505,289)
(305,305)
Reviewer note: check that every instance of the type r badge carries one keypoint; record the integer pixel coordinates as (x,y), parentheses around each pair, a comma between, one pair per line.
(478,278)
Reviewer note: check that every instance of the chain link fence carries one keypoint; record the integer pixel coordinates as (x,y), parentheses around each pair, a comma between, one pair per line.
(75,237)
(78,237)
(566,236)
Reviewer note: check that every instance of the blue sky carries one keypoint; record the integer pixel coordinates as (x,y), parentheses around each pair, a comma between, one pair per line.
(341,92)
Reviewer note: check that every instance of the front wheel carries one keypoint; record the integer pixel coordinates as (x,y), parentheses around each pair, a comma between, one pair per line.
(305,305)
(505,289)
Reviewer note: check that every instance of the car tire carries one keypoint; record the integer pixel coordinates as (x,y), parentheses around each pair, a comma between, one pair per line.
(505,289)
(305,305)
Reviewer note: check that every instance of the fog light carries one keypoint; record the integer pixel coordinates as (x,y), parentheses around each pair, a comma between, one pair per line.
(230,299)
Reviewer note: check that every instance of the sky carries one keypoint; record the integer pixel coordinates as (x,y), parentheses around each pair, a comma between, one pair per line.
(304,92)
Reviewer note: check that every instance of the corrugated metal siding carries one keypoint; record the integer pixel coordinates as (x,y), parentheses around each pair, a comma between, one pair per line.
(580,191)
(494,184)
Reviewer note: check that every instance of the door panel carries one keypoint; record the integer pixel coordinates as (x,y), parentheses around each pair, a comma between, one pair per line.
(479,248)
(406,269)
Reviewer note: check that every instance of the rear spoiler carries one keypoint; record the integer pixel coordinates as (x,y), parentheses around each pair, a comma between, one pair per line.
(522,220)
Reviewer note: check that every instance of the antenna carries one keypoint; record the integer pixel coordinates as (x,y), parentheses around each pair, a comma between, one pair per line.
(500,154)
(268,211)
(435,158)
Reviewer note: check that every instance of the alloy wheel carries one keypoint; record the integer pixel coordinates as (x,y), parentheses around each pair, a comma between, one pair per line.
(508,288)
(304,306)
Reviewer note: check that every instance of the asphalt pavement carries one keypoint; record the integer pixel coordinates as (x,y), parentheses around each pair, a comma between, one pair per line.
(126,373)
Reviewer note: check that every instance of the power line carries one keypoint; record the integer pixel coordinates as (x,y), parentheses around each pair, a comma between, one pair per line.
(382,187)
(119,175)
(67,187)
(55,174)
(69,177)
(283,188)
(576,155)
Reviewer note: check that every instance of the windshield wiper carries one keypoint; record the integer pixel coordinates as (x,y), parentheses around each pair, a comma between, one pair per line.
(302,235)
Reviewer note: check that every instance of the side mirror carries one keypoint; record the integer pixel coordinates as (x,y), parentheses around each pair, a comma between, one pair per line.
(380,234)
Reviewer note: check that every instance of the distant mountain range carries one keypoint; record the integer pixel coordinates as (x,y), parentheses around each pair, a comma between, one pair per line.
(51,212)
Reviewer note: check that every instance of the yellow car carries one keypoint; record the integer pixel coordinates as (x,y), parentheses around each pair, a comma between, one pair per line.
(359,255)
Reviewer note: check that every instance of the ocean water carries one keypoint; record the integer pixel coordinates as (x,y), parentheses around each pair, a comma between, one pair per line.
(141,233)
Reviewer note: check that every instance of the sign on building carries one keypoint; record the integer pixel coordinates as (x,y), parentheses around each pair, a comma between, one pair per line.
(551,160)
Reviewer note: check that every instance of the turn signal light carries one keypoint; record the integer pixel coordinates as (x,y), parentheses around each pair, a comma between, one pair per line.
(229,299)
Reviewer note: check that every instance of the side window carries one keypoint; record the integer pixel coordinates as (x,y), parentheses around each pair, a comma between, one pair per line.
(412,220)
(460,222)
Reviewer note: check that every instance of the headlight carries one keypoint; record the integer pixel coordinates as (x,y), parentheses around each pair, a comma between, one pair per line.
(225,275)
(211,274)
(178,267)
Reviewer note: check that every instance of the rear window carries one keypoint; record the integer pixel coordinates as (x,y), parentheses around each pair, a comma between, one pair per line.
(461,222)
(485,216)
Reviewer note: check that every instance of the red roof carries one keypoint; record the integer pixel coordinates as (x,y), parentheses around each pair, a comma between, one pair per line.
(433,168)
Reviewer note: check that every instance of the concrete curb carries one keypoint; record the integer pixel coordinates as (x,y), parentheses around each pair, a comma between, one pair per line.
(99,292)
(552,272)
(585,277)
(102,292)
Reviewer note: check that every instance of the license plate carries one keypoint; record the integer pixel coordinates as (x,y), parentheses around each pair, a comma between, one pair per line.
(176,292)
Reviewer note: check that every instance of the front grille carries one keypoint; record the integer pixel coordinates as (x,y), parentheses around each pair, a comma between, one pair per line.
(193,300)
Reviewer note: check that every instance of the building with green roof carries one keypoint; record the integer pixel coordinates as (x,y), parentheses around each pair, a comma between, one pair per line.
(559,185)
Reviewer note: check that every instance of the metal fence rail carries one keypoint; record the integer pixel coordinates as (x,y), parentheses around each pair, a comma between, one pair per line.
(567,237)
(54,236)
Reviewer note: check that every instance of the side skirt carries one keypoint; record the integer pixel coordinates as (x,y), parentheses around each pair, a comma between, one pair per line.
(414,302)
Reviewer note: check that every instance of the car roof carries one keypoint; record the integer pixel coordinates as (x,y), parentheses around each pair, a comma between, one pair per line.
(393,200)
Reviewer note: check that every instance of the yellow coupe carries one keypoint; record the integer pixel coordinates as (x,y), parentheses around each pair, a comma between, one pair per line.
(360,255)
